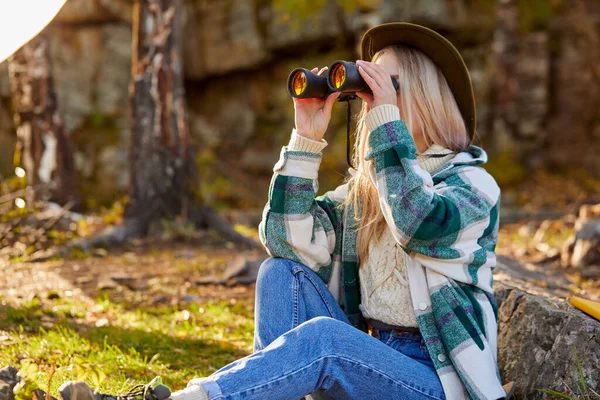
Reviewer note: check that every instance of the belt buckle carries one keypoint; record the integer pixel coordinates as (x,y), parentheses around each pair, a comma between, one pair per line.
(372,331)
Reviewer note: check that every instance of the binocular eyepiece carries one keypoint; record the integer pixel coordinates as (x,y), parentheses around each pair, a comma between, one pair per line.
(342,76)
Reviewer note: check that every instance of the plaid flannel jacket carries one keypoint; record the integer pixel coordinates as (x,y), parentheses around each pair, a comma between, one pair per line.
(446,222)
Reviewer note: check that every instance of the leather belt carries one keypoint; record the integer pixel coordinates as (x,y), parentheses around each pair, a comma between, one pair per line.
(374,327)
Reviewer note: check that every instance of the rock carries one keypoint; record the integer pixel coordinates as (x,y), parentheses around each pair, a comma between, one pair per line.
(532,278)
(106,284)
(440,14)
(189,298)
(209,280)
(73,390)
(587,243)
(95,11)
(122,278)
(129,281)
(539,333)
(538,342)
(220,37)
(285,30)
(583,249)
(575,85)
(137,285)
(533,69)
(591,272)
(8,380)
(91,69)
(243,270)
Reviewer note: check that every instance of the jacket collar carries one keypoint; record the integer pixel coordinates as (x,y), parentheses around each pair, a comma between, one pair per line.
(473,155)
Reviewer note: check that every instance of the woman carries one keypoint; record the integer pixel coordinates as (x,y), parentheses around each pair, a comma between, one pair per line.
(383,287)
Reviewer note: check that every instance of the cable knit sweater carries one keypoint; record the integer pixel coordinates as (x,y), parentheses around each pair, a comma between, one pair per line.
(384,287)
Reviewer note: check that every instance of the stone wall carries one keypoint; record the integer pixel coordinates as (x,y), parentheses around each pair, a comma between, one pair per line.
(237,55)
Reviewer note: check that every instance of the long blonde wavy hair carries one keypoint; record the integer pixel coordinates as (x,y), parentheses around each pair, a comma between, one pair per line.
(426,101)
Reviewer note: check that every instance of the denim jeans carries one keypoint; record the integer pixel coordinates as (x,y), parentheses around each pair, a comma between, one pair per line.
(304,344)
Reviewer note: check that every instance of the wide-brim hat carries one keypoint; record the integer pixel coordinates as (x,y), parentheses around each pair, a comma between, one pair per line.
(436,47)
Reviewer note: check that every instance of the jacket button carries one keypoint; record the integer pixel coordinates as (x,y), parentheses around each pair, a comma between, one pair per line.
(422,306)
(441,357)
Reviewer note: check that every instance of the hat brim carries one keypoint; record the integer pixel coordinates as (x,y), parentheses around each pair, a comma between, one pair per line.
(436,47)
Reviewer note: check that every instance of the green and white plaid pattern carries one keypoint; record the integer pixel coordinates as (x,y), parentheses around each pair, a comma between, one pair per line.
(447,223)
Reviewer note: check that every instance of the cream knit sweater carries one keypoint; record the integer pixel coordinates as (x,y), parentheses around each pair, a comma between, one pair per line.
(385,293)
(384,289)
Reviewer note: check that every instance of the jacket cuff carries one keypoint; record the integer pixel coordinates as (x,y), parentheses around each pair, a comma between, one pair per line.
(299,164)
(392,135)
(300,143)
(380,115)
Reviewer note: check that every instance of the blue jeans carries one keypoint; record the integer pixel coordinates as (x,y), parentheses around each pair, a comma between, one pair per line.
(304,344)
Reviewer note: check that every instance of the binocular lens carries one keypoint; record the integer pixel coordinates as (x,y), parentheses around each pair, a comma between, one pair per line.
(338,75)
(299,82)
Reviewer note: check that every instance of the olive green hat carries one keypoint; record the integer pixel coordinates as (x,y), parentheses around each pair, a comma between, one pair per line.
(436,47)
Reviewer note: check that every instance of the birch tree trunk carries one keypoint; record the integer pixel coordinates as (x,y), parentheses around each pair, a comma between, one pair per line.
(43,149)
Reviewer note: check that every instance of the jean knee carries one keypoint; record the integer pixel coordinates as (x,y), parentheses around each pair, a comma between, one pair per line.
(324,327)
(274,269)
(324,335)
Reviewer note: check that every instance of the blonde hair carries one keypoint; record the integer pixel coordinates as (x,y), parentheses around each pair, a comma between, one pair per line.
(426,101)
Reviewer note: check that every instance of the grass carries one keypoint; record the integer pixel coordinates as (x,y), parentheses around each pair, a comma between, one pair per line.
(112,348)
(582,391)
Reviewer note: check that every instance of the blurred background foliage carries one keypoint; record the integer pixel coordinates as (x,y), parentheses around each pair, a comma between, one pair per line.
(533,64)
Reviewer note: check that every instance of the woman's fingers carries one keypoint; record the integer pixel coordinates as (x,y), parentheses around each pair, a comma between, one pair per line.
(369,77)
(376,68)
(380,83)
(377,73)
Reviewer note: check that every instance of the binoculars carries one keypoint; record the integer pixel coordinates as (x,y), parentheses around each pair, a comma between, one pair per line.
(342,76)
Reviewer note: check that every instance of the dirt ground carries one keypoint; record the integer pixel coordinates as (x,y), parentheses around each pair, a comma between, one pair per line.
(157,270)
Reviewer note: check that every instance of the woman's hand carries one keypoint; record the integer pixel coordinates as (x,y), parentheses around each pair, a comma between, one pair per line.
(380,83)
(313,115)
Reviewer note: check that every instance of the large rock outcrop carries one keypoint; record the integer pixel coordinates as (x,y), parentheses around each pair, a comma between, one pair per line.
(540,336)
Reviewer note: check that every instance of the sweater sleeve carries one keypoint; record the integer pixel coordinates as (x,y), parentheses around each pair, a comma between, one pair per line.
(296,224)
(449,221)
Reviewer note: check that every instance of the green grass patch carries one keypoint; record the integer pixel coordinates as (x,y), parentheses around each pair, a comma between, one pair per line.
(112,348)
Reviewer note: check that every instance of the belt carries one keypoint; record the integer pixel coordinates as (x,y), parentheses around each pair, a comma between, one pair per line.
(374,327)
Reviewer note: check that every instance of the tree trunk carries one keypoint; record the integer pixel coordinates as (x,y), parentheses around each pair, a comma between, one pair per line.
(43,149)
(162,168)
